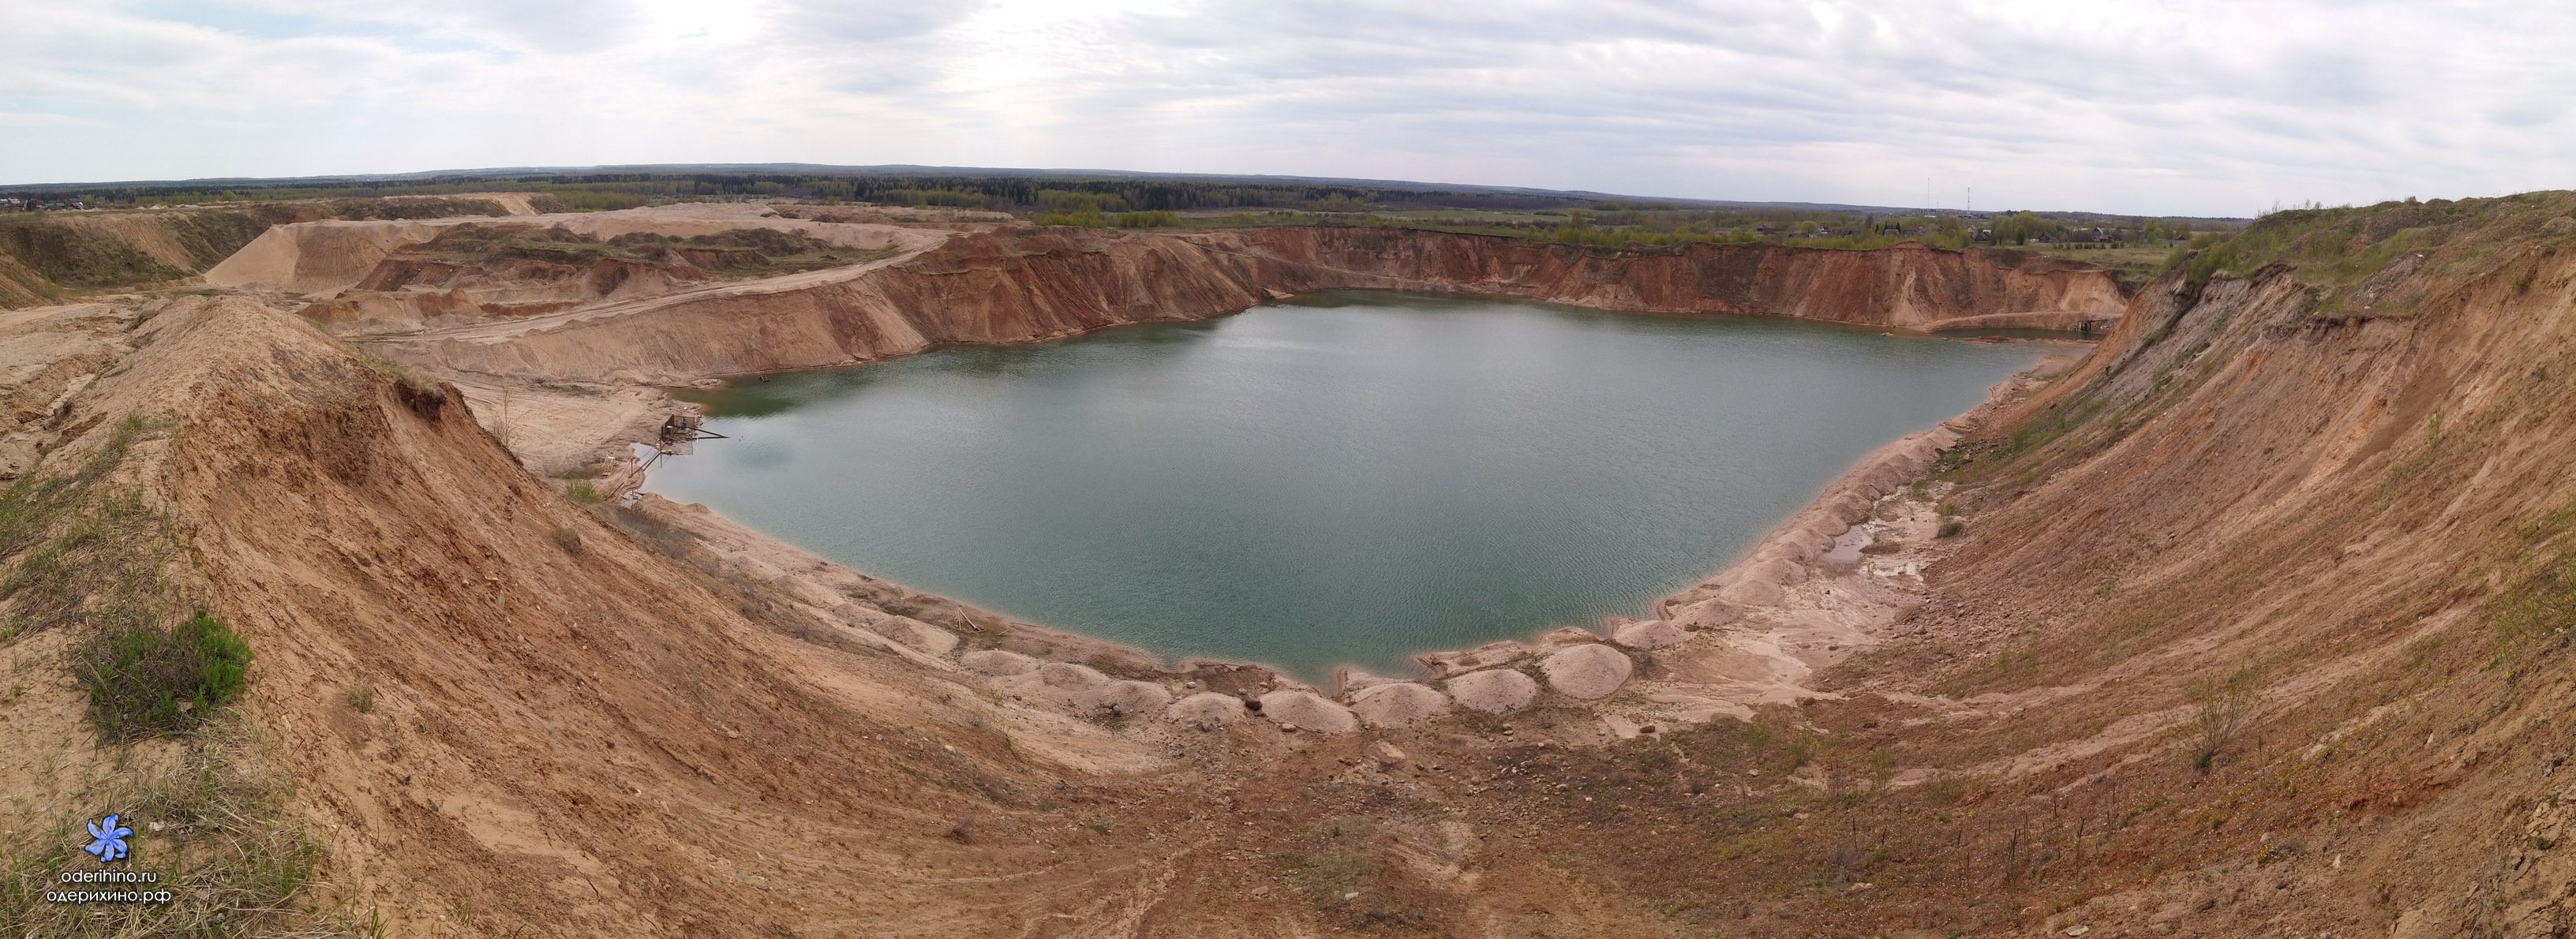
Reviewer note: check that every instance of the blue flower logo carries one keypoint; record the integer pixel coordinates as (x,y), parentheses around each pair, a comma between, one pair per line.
(107,839)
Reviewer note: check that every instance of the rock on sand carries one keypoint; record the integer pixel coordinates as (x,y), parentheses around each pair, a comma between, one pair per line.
(1131,697)
(997,662)
(1587,671)
(1496,691)
(1206,710)
(1398,704)
(1309,711)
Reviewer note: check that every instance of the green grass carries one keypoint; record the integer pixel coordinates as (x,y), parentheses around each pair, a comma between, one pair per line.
(2134,264)
(1093,218)
(75,554)
(82,549)
(145,679)
(74,256)
(80,556)
(2537,603)
(2048,427)
(2339,250)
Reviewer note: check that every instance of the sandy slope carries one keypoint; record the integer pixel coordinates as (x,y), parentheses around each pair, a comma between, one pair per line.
(605,741)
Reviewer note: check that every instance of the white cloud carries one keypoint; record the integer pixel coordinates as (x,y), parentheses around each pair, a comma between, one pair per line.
(2196,107)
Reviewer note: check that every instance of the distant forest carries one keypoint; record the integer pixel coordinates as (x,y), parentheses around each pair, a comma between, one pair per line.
(1024,194)
(1117,200)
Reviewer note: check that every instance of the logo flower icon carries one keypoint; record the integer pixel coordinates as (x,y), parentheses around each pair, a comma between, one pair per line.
(107,839)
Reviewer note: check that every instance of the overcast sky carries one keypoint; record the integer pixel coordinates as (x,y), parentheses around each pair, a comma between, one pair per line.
(2177,108)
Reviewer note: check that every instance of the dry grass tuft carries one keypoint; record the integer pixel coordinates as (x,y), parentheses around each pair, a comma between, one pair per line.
(2223,707)
(216,832)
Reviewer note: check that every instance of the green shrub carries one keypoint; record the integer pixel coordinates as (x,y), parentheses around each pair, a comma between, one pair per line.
(583,492)
(569,538)
(1086,218)
(145,679)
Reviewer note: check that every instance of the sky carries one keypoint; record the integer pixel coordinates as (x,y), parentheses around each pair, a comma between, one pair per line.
(2174,108)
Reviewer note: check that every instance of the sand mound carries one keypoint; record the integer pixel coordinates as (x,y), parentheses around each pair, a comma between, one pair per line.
(317,257)
(1398,704)
(922,637)
(1309,711)
(1125,697)
(1069,675)
(1206,710)
(1649,634)
(998,662)
(1078,689)
(1496,691)
(1753,593)
(1588,671)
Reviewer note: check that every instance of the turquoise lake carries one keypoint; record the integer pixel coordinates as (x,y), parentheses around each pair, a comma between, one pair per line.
(1345,477)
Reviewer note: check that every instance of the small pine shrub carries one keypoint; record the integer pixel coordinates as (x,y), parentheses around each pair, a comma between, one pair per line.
(145,679)
(569,538)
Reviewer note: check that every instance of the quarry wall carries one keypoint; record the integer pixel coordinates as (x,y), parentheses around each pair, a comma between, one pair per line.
(1015,285)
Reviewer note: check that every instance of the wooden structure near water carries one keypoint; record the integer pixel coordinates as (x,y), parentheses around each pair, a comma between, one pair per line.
(683,428)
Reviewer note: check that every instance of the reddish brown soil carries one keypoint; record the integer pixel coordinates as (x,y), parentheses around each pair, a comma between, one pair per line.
(1012,285)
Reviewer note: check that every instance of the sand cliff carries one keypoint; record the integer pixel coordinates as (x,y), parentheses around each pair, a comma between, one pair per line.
(1017,284)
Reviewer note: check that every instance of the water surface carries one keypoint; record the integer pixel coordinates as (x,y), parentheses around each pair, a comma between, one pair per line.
(1344,477)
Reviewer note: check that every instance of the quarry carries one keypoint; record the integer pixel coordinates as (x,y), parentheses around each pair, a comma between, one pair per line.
(2243,617)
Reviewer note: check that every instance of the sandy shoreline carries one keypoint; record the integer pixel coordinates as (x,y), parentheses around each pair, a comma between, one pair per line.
(1800,598)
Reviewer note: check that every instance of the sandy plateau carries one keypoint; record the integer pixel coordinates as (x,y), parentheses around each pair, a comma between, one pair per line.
(2247,620)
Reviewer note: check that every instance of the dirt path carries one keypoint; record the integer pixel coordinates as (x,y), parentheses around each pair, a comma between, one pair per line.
(504,330)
